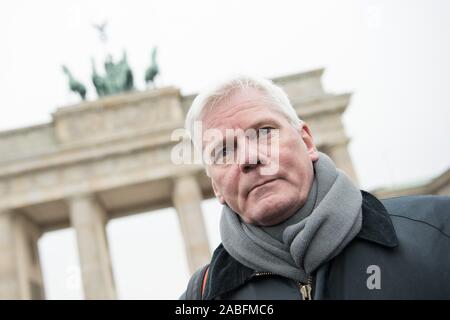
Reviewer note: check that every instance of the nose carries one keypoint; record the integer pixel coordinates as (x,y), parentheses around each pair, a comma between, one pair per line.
(250,158)
(246,167)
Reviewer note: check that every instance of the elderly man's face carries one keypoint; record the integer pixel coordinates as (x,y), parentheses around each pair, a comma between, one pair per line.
(261,199)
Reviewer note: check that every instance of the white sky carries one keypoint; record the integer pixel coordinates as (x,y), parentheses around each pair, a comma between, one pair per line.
(393,55)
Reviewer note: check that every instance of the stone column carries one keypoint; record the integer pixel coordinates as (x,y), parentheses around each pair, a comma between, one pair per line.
(187,199)
(341,157)
(20,268)
(89,219)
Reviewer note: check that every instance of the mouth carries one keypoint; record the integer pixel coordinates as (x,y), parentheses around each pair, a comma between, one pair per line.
(261,184)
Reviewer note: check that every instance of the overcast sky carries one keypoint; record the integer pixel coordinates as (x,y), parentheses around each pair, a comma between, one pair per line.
(392,55)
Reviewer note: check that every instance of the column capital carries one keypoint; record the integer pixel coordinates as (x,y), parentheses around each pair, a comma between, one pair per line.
(82,195)
(186,188)
(84,204)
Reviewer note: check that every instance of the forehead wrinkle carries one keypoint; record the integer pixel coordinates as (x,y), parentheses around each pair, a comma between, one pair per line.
(232,113)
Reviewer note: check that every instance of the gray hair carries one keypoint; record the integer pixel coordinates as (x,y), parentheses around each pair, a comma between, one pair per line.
(212,96)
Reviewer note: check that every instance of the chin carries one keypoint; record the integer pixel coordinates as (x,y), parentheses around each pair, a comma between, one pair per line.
(271,210)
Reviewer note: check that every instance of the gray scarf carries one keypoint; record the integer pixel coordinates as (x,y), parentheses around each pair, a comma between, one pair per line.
(330,218)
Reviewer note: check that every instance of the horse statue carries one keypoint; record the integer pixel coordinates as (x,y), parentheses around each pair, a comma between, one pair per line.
(75,85)
(153,70)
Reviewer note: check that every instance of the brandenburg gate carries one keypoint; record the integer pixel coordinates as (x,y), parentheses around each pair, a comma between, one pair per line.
(99,160)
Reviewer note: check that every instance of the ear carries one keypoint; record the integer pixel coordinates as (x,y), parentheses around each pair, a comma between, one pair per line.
(217,193)
(308,140)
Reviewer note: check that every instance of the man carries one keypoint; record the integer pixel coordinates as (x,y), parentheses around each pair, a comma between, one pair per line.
(294,226)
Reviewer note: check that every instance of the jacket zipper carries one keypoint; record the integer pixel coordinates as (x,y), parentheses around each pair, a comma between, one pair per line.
(305,288)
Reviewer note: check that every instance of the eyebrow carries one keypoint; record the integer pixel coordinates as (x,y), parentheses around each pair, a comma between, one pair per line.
(257,124)
(263,121)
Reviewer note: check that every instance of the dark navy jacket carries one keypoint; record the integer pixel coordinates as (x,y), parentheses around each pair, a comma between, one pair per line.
(401,252)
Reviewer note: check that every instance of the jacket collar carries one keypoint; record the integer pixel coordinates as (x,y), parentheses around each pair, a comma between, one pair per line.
(226,273)
(376,224)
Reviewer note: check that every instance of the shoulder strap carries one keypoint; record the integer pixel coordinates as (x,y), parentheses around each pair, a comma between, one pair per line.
(197,284)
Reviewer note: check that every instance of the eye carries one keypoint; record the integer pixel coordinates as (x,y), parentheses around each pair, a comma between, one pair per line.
(264,131)
(224,152)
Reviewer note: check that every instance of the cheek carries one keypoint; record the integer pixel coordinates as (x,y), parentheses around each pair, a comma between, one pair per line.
(291,154)
(295,163)
(226,182)
(231,183)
